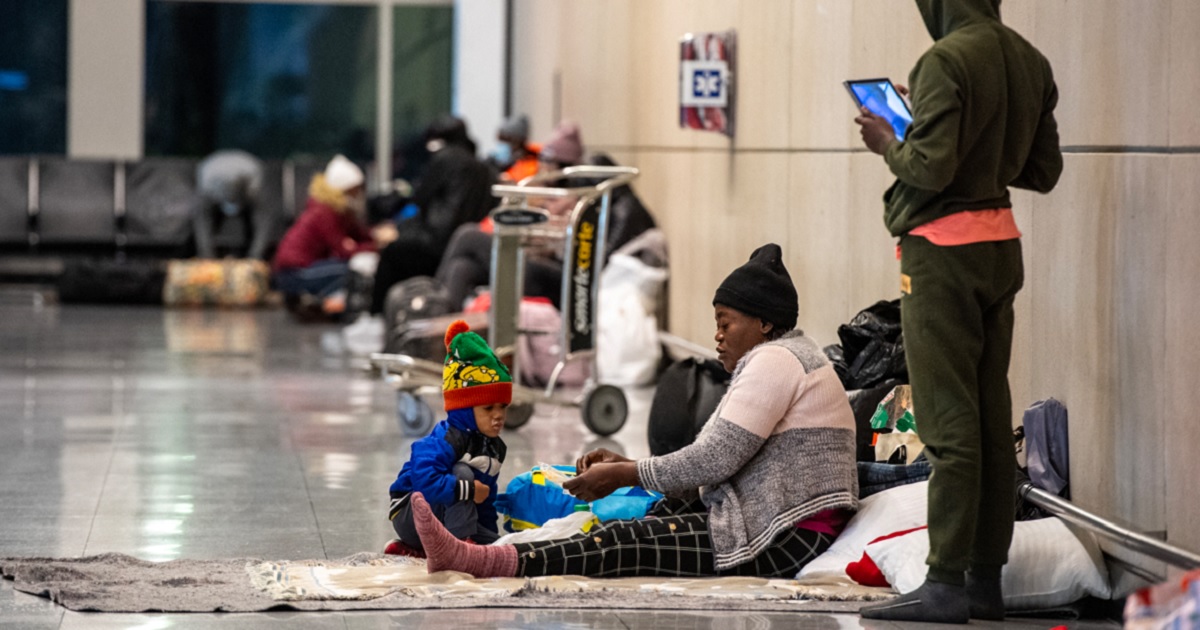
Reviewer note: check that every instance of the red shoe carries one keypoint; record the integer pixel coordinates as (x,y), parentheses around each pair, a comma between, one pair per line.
(396,547)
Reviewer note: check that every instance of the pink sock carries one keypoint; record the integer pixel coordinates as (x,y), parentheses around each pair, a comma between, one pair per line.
(444,552)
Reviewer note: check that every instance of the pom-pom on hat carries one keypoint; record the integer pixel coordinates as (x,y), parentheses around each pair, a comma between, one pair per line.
(472,376)
(342,174)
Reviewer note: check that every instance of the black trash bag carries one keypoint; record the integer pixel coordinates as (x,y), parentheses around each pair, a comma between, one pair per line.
(688,393)
(837,358)
(872,348)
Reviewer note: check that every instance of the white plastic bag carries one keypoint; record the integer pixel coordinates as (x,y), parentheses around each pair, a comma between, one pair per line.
(364,336)
(627,347)
(553,529)
(364,263)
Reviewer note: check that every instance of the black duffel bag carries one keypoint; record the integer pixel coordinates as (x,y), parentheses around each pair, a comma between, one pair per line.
(687,395)
(103,281)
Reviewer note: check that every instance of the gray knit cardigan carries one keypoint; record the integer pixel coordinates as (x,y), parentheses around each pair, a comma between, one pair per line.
(778,449)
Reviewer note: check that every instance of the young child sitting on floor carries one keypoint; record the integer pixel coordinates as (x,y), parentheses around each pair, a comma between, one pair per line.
(456,466)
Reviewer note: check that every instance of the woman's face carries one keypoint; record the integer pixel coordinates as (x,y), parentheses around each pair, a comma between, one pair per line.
(737,333)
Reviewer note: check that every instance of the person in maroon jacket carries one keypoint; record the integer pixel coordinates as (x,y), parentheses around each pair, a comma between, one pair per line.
(312,261)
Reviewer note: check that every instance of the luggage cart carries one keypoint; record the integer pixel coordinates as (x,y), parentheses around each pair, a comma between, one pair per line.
(518,224)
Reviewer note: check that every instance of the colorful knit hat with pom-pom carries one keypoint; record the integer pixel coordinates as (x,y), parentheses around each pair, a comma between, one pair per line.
(472,376)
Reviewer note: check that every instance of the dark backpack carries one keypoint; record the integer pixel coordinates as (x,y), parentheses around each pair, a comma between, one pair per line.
(687,395)
(410,301)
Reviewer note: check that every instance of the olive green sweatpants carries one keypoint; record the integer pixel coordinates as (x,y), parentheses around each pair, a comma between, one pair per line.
(957,318)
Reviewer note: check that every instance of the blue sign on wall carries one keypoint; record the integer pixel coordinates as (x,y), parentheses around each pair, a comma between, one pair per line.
(704,83)
(707,90)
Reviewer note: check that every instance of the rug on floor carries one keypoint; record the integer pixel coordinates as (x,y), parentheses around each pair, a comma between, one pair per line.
(120,583)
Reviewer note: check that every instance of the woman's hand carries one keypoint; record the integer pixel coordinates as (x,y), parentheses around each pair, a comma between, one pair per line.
(598,456)
(602,479)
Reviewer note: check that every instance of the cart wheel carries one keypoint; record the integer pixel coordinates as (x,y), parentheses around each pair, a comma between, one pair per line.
(605,409)
(416,418)
(518,414)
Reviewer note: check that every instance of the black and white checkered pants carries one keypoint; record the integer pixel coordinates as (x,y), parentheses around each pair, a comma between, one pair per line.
(666,546)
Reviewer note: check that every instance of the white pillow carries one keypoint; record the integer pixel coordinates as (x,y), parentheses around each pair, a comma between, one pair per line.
(1047,566)
(892,510)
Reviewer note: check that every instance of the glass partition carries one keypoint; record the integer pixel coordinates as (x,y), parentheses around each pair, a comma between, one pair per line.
(277,80)
(289,80)
(33,77)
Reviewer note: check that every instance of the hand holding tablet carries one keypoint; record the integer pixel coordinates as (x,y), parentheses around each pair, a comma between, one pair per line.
(881,98)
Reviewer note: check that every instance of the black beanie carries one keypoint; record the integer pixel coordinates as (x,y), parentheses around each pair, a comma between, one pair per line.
(762,288)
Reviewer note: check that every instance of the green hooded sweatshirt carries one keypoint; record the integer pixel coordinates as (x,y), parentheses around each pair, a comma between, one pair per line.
(983,119)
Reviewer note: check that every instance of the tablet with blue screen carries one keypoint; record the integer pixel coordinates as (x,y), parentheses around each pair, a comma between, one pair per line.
(881,98)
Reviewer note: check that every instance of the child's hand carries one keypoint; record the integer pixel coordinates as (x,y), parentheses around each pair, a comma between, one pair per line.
(481,491)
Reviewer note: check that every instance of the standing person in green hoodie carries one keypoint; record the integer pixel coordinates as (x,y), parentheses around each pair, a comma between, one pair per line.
(983,120)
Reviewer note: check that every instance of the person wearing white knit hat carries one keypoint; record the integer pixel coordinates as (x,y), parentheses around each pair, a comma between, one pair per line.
(343,174)
(311,263)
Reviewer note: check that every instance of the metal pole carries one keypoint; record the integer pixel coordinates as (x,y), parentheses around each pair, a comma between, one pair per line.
(383,103)
(1128,538)
(508,57)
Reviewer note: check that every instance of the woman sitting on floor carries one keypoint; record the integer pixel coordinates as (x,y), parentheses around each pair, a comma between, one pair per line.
(774,468)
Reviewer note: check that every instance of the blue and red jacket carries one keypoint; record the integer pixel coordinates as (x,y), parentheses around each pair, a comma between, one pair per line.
(430,468)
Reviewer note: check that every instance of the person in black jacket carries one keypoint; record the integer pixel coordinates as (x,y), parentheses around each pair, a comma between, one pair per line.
(455,190)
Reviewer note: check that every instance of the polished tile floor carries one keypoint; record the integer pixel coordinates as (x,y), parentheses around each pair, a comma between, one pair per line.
(214,434)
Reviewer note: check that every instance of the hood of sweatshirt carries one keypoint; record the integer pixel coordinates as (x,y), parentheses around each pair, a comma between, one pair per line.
(943,17)
(463,420)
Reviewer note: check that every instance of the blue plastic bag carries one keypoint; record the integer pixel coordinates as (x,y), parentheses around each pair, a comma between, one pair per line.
(531,499)
(625,503)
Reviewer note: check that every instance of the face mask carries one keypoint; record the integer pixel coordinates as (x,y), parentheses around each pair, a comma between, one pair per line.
(230,209)
(502,153)
(358,205)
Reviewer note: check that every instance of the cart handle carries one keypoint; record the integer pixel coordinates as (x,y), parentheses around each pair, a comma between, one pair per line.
(615,176)
(401,362)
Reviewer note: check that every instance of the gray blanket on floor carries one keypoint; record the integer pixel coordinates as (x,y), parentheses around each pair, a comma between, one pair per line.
(120,583)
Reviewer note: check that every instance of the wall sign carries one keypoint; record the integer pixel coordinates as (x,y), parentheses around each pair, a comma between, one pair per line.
(706,85)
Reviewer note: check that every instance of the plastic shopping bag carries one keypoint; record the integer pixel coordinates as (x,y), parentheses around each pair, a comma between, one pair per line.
(533,498)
